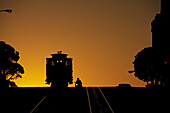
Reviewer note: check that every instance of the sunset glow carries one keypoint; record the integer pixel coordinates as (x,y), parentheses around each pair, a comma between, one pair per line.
(102,37)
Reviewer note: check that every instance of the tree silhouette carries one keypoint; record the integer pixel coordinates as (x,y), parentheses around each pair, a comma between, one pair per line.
(9,68)
(151,66)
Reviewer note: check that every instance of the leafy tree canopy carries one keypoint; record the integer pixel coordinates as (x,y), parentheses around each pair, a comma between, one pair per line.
(151,65)
(9,68)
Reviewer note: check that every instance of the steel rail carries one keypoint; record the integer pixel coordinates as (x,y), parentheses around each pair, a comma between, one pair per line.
(88,99)
(38,104)
(106,100)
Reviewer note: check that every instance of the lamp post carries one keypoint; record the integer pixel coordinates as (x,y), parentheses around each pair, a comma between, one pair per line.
(7,10)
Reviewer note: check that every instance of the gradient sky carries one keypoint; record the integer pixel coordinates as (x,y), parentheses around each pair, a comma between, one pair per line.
(102,37)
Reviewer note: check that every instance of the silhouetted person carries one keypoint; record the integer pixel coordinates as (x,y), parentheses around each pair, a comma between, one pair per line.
(78,83)
(9,68)
(59,70)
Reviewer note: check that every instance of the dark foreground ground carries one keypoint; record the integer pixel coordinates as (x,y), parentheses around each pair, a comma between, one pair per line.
(75,100)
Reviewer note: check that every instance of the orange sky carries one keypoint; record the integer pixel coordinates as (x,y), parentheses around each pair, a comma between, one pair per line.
(102,36)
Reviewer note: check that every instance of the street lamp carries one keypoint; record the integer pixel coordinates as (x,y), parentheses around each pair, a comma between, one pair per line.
(7,10)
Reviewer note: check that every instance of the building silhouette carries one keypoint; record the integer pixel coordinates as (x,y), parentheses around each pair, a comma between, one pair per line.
(160,40)
(152,63)
(59,70)
(160,28)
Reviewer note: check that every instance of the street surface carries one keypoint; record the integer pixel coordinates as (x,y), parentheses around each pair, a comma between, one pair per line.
(84,100)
